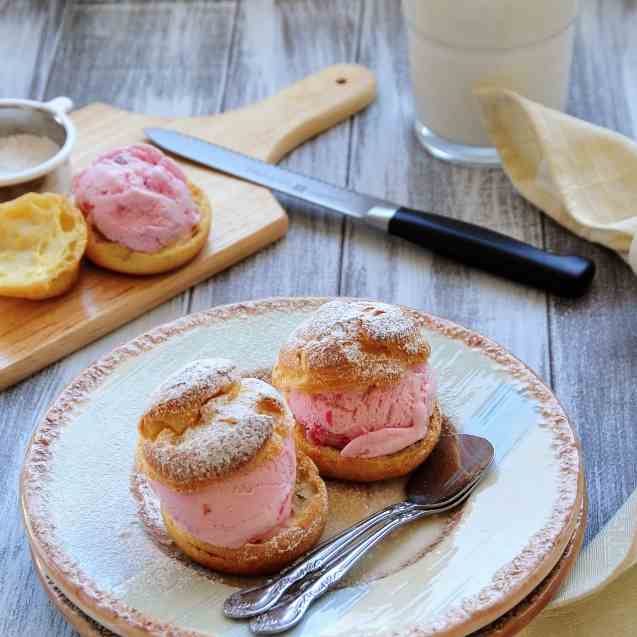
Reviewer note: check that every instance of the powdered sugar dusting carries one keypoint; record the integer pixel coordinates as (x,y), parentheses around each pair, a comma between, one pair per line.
(193,385)
(236,417)
(374,341)
(23,152)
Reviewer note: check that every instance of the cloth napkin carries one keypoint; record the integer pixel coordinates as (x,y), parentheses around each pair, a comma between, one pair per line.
(599,596)
(583,176)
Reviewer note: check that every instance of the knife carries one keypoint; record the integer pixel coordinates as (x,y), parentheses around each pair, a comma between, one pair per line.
(465,242)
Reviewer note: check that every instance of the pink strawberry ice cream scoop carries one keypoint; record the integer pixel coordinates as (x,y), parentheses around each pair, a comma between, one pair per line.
(237,509)
(138,197)
(375,422)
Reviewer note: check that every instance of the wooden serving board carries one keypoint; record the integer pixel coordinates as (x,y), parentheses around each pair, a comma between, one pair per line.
(246,218)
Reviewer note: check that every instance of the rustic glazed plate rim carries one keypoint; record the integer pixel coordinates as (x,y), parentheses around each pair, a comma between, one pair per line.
(502,625)
(488,605)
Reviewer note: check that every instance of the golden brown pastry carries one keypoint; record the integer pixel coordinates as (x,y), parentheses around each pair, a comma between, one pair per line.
(42,240)
(219,452)
(356,377)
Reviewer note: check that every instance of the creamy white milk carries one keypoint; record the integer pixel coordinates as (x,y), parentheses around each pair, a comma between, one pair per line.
(456,45)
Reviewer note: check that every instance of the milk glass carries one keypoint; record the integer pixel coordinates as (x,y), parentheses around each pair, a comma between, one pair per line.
(458,45)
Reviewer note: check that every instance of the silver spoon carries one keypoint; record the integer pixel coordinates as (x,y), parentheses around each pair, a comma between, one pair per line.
(441,483)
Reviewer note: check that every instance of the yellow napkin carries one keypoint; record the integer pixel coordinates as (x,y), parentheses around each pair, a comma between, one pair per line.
(599,596)
(610,613)
(583,176)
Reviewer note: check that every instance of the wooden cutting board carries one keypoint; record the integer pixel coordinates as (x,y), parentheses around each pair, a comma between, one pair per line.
(246,218)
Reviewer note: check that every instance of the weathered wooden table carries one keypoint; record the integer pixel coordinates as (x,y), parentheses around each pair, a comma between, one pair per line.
(182,58)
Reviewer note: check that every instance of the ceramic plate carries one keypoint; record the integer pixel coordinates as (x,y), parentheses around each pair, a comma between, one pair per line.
(507,625)
(94,525)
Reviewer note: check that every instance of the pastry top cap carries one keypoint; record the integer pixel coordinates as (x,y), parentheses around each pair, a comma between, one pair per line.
(205,422)
(351,344)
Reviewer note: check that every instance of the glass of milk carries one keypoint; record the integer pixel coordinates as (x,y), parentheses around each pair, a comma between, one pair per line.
(458,45)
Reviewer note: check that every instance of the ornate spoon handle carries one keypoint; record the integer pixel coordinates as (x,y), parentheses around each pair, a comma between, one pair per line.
(290,613)
(254,601)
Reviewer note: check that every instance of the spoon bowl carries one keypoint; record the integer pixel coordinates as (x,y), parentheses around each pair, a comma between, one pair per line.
(453,465)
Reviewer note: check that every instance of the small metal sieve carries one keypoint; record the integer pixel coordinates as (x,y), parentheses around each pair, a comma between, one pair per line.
(45,119)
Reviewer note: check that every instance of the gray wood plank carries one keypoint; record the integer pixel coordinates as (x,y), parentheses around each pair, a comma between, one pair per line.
(134,57)
(387,161)
(274,47)
(594,340)
(29,35)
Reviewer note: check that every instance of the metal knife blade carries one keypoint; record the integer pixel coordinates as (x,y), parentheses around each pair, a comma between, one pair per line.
(373,210)
(468,243)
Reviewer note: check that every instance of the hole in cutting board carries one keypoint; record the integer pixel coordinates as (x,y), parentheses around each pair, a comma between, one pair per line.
(341,80)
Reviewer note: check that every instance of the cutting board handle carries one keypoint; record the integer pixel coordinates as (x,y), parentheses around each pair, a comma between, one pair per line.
(271,128)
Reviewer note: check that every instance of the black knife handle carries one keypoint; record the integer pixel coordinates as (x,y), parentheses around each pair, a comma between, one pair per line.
(494,252)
